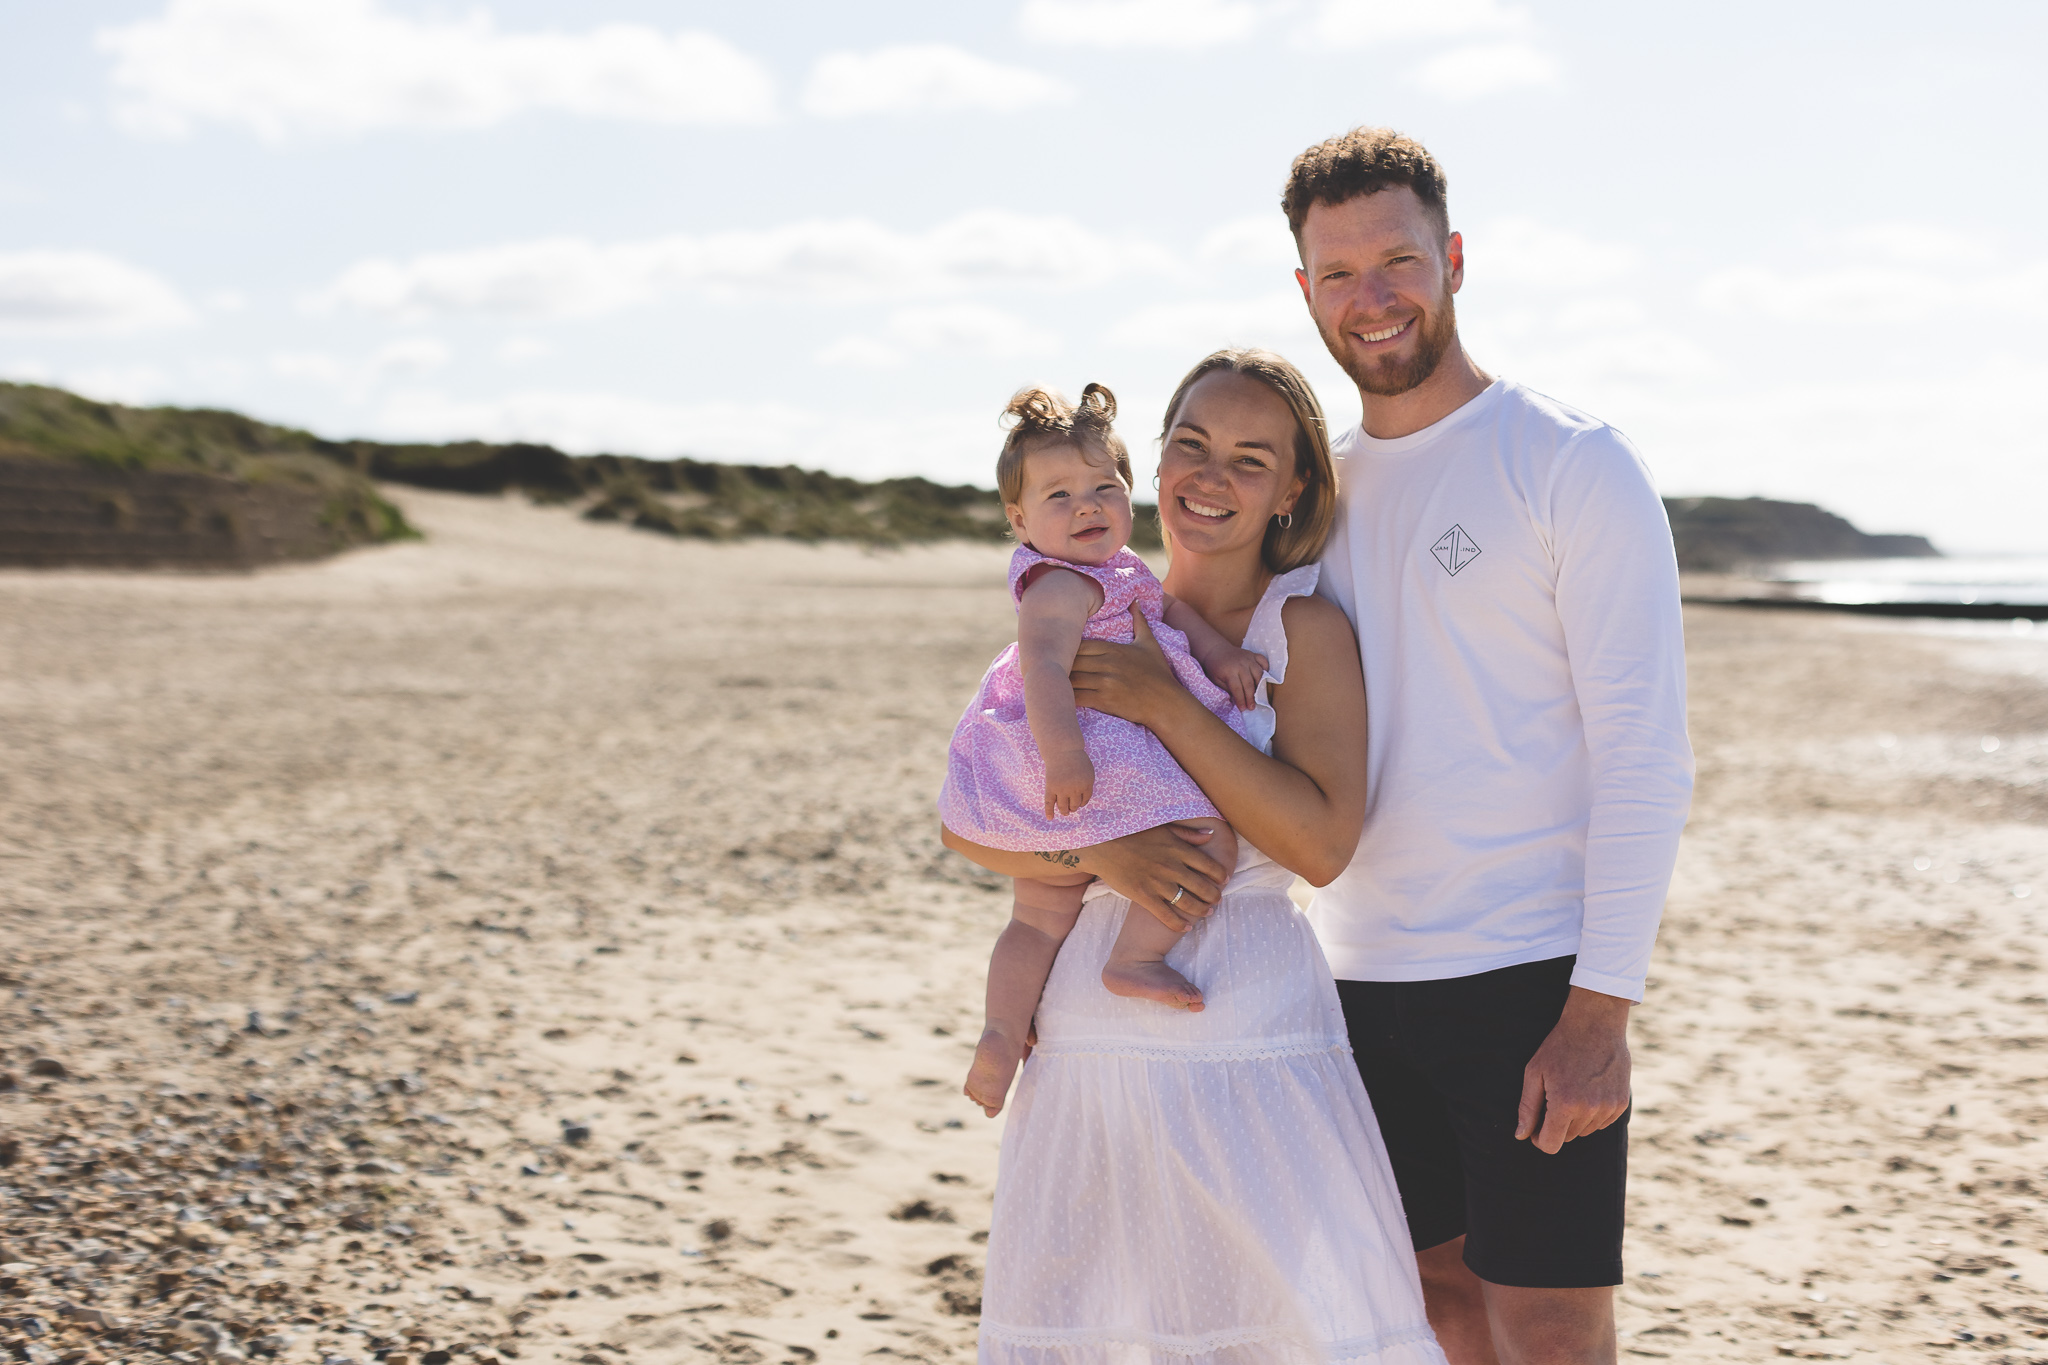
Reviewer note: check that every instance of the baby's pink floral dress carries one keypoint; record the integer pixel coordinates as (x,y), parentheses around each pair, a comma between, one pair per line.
(995,780)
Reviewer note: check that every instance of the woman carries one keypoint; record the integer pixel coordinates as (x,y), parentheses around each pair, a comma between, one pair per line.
(1210,1189)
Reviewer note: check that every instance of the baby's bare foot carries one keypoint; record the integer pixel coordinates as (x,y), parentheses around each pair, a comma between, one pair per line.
(996,1059)
(1152,980)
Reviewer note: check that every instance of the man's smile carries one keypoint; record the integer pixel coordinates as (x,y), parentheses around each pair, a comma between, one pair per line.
(1385,333)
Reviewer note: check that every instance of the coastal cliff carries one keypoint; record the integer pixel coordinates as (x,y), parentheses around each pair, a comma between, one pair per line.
(101,484)
(1718,535)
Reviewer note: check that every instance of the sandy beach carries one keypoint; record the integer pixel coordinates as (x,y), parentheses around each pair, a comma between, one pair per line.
(533,943)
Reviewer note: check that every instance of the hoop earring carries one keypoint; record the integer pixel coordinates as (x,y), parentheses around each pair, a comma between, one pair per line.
(1286,520)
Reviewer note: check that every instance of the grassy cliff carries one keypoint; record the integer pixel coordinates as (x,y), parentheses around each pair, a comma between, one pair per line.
(133,451)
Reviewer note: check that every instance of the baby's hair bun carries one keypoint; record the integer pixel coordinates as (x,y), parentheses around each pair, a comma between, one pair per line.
(1097,407)
(1036,414)
(1032,410)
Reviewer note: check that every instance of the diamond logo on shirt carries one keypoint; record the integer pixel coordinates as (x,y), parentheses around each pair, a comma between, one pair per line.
(1454,550)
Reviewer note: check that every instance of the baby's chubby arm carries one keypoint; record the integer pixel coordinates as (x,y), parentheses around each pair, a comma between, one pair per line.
(1051,616)
(1235,670)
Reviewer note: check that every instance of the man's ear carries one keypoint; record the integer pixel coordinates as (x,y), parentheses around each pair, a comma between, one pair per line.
(1301,278)
(1454,255)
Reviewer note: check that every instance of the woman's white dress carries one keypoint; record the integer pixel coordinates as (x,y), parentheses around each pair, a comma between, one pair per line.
(1204,1189)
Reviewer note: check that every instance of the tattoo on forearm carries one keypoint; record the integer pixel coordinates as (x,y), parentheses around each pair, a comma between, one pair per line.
(1063,857)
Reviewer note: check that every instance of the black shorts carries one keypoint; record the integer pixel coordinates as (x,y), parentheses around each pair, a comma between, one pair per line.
(1442,1061)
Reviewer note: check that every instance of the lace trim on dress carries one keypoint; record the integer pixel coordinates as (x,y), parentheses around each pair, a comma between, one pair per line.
(1267,635)
(1357,1348)
(1192,1052)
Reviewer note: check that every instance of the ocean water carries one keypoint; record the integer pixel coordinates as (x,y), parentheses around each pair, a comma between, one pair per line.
(1978,581)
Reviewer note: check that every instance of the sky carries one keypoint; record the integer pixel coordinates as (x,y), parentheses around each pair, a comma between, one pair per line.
(1794,250)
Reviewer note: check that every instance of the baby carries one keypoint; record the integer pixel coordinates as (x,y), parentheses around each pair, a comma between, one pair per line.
(1028,771)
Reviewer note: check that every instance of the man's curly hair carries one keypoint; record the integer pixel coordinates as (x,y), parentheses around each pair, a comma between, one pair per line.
(1363,161)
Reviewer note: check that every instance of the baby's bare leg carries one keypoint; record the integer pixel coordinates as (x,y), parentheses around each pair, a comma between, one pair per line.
(1137,963)
(1041,916)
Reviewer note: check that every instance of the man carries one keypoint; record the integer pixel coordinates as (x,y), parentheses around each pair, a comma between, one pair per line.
(1509,569)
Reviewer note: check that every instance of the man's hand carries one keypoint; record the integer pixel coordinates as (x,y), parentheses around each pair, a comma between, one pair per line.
(1153,865)
(1069,782)
(1131,682)
(1577,1083)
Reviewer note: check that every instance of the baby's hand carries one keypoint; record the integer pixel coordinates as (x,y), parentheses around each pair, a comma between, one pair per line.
(1069,782)
(1237,672)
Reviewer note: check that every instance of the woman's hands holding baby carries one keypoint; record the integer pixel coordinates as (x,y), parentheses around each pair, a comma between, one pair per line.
(1134,681)
(1069,781)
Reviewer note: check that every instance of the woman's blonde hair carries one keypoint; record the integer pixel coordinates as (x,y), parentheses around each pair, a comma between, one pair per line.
(1044,416)
(1315,510)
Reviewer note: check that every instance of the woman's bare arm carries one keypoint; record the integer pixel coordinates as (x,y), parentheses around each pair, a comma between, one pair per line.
(1305,806)
(1148,867)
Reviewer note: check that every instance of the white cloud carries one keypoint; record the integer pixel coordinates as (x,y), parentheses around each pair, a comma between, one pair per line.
(1855,296)
(955,446)
(1624,355)
(1469,73)
(521,349)
(1918,244)
(83,291)
(404,358)
(862,353)
(592,423)
(1276,320)
(1885,273)
(133,384)
(956,328)
(1139,23)
(1600,315)
(925,76)
(847,259)
(1525,252)
(970,327)
(1262,242)
(410,356)
(1358,23)
(281,68)
(317,366)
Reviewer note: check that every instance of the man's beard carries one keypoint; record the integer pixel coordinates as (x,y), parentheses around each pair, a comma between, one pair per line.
(1384,378)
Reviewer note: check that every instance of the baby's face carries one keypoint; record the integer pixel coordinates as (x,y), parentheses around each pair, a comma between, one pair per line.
(1073,509)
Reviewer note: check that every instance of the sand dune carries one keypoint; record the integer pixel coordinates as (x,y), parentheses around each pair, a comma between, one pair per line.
(550,847)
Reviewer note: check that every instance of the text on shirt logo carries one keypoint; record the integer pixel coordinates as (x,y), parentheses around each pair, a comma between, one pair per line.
(1454,549)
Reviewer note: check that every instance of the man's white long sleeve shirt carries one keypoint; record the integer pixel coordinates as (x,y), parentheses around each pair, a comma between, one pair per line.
(1510,573)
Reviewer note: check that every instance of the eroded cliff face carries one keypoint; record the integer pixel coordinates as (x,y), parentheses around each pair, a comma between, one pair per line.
(55,514)
(104,485)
